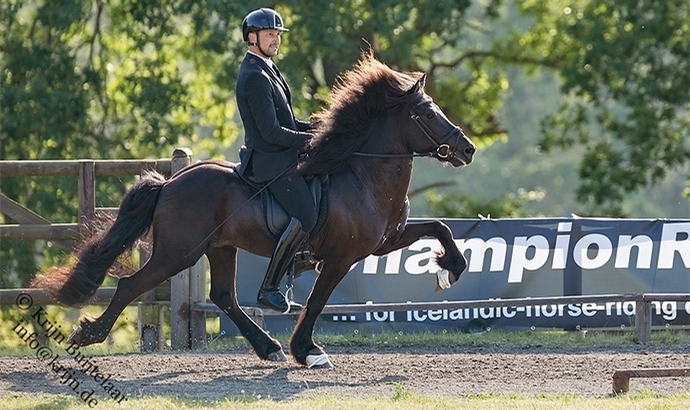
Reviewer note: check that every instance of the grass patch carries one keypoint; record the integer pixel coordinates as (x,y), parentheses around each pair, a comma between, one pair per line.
(541,338)
(400,398)
(123,339)
(544,338)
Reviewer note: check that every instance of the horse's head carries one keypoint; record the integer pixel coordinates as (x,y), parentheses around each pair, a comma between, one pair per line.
(435,134)
(371,97)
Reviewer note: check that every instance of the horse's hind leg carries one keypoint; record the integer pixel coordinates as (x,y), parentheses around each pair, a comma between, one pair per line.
(152,274)
(223,262)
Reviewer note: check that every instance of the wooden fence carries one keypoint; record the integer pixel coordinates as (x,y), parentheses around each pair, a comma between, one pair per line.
(643,306)
(190,330)
(186,292)
(33,226)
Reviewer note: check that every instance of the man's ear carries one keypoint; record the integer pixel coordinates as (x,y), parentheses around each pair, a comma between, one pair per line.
(252,37)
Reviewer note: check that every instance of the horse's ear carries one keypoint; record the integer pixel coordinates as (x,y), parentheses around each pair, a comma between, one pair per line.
(419,85)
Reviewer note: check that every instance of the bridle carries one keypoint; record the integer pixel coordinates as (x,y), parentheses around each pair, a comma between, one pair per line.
(443,150)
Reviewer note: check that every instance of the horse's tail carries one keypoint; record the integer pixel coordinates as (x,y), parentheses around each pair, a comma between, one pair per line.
(76,285)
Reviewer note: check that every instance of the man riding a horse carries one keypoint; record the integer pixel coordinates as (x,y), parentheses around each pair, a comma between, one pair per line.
(377,122)
(273,139)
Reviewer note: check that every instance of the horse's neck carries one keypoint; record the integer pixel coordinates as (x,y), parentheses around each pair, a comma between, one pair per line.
(387,179)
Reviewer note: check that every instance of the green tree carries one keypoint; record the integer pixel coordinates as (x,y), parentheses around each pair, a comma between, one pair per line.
(440,38)
(624,68)
(625,71)
(461,205)
(95,79)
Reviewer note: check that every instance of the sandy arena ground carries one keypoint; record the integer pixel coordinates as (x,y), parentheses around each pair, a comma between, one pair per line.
(361,372)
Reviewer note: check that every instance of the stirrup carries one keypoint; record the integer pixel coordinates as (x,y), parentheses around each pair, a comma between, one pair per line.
(289,294)
(289,301)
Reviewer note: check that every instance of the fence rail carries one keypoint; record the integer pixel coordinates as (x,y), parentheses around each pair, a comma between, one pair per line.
(56,168)
(102,297)
(197,311)
(643,306)
(32,226)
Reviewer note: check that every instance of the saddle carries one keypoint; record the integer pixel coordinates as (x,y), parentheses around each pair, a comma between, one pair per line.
(277,219)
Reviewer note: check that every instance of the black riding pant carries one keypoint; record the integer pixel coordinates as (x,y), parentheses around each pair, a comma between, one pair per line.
(293,194)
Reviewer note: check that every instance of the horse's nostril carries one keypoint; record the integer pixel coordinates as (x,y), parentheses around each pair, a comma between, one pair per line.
(469,151)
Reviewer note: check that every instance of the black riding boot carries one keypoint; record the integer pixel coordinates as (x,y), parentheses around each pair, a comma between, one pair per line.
(269,295)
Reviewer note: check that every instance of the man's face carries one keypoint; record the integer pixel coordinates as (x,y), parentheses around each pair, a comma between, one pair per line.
(269,41)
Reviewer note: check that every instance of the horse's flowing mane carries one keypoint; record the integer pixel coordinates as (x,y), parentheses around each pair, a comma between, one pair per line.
(359,96)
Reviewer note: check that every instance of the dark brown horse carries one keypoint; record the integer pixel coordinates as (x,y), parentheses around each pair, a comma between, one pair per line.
(379,120)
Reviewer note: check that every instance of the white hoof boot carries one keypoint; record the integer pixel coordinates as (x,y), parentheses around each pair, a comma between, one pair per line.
(319,361)
(278,356)
(443,279)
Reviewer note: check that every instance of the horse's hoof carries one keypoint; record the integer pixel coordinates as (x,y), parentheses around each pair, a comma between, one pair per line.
(443,280)
(277,356)
(75,337)
(319,361)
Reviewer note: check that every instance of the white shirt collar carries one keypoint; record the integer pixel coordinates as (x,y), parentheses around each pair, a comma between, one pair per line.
(267,60)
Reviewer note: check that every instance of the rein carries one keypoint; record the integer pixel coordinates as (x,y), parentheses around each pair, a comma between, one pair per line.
(367,154)
(443,151)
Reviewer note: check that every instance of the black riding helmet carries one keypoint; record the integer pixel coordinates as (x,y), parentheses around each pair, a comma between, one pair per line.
(261,19)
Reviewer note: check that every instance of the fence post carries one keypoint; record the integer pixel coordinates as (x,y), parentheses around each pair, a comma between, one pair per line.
(643,320)
(180,338)
(150,319)
(150,314)
(197,293)
(86,185)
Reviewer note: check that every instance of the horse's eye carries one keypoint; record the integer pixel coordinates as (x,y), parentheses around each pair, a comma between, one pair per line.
(431,115)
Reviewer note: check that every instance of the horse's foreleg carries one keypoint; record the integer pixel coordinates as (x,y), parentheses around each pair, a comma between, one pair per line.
(451,259)
(302,346)
(153,273)
(223,263)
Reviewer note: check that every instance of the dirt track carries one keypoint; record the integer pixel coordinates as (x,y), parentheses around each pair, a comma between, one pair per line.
(357,372)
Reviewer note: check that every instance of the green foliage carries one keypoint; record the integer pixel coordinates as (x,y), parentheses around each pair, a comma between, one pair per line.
(127,79)
(437,37)
(461,205)
(123,338)
(401,393)
(626,78)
